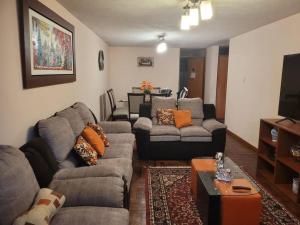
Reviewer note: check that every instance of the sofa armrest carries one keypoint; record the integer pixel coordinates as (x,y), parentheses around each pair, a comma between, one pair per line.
(91,191)
(143,123)
(116,126)
(88,171)
(212,125)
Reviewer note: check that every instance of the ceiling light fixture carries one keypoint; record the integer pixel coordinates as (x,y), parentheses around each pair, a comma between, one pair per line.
(194,16)
(206,10)
(191,14)
(162,45)
(185,19)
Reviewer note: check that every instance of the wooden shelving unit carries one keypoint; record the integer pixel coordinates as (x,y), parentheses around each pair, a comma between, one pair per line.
(274,161)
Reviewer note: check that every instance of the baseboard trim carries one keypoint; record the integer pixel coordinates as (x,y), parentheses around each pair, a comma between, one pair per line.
(241,140)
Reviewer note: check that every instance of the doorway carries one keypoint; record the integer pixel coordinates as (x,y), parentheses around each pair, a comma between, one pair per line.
(192,69)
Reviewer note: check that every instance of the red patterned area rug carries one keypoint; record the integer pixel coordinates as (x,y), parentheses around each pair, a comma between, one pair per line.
(169,200)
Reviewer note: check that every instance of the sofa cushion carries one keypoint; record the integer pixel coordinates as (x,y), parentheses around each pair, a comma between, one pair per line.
(84,112)
(47,204)
(195,134)
(74,119)
(115,126)
(91,191)
(18,185)
(73,160)
(91,216)
(165,116)
(195,105)
(183,118)
(161,103)
(94,140)
(86,151)
(128,138)
(58,134)
(122,164)
(100,132)
(118,151)
(164,133)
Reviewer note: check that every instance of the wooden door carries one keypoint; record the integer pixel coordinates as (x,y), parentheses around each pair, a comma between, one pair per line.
(196,82)
(221,87)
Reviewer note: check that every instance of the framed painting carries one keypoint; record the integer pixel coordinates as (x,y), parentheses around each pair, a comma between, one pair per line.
(48,52)
(145,61)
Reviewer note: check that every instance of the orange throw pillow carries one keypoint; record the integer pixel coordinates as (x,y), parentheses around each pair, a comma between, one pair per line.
(94,140)
(183,118)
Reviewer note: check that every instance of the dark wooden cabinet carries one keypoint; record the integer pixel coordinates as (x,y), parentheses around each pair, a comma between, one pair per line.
(274,161)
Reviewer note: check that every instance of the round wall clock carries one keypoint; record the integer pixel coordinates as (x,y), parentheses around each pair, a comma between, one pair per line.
(101,60)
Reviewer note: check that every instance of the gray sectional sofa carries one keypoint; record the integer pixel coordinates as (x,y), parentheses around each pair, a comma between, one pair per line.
(94,194)
(84,205)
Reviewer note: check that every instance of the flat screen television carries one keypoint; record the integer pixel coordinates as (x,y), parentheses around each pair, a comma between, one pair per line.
(289,102)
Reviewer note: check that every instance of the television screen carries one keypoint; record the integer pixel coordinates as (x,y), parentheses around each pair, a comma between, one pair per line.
(289,102)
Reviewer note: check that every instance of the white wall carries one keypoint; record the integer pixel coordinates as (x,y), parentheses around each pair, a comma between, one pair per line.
(254,76)
(124,72)
(20,109)
(211,73)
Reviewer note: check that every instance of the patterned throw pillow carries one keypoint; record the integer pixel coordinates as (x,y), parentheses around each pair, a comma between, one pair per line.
(165,117)
(100,132)
(86,151)
(46,204)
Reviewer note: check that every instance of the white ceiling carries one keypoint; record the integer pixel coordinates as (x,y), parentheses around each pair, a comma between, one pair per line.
(138,22)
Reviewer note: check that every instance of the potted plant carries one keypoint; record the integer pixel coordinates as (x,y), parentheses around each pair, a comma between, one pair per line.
(146,87)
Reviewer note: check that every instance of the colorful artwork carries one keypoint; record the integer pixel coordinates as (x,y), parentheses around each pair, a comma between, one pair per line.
(51,47)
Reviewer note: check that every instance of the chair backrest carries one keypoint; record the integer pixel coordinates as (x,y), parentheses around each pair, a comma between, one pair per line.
(155,90)
(112,100)
(136,90)
(152,95)
(182,93)
(134,101)
(166,91)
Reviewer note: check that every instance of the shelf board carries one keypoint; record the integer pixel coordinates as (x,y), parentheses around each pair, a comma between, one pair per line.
(287,190)
(266,174)
(291,163)
(264,157)
(269,141)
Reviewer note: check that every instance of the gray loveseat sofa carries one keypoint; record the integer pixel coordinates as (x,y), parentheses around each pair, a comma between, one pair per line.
(204,138)
(92,201)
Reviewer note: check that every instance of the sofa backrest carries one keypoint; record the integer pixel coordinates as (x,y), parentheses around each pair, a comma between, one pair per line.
(86,114)
(18,185)
(58,134)
(195,105)
(161,103)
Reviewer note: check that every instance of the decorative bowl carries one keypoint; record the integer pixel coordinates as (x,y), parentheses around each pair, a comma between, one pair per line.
(295,152)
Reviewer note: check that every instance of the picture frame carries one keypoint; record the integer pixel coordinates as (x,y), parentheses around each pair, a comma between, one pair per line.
(145,61)
(47,46)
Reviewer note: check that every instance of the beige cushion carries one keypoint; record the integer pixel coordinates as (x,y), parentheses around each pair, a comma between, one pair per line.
(164,133)
(46,204)
(195,134)
(195,105)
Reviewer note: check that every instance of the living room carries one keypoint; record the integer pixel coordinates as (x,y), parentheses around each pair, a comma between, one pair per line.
(258,35)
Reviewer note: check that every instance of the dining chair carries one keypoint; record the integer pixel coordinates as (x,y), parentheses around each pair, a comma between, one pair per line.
(182,93)
(152,95)
(134,101)
(155,90)
(166,91)
(117,113)
(136,90)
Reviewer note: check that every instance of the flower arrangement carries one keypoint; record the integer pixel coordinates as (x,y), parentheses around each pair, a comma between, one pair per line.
(146,87)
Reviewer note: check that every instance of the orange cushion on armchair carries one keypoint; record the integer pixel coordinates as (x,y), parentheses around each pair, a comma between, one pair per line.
(183,118)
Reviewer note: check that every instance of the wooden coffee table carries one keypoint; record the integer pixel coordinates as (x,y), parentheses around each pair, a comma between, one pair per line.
(217,203)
